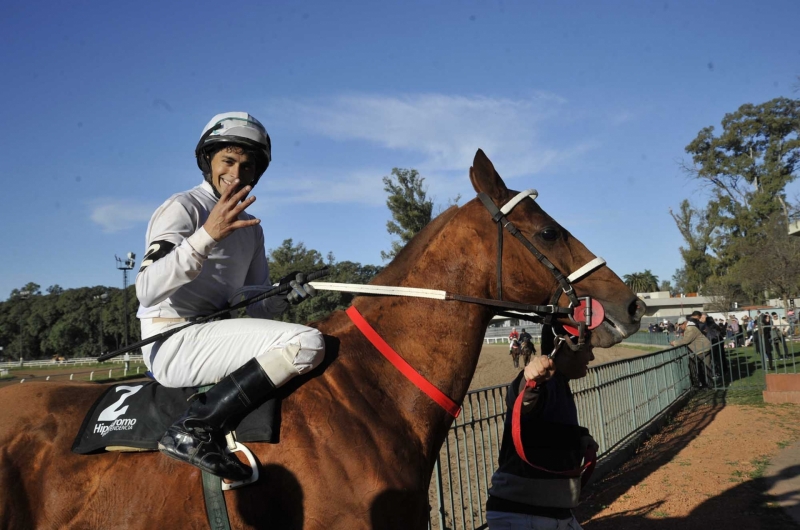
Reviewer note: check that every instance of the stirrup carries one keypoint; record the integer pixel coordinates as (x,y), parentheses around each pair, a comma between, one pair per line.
(234,446)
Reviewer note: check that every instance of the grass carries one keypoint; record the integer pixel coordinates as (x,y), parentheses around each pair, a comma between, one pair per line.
(760,466)
(743,396)
(745,377)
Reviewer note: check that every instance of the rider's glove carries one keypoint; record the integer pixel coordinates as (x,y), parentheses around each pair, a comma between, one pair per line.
(275,305)
(301,290)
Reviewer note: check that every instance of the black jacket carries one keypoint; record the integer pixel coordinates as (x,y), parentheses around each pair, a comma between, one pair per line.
(552,440)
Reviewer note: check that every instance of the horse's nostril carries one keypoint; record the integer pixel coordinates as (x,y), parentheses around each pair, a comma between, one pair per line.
(636,308)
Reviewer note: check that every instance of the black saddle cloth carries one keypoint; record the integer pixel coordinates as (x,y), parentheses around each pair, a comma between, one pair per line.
(136,415)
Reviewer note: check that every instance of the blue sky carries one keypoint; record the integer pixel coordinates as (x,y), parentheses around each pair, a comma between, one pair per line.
(591,103)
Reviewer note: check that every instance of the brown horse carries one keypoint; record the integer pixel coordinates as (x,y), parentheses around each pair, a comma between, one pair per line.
(527,351)
(515,352)
(358,441)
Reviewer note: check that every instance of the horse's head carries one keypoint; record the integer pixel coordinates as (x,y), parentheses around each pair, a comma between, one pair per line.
(527,279)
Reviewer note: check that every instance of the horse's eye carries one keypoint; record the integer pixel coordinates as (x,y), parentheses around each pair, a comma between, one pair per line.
(549,234)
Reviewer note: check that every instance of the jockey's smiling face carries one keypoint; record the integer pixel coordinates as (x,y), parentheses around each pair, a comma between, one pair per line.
(228,164)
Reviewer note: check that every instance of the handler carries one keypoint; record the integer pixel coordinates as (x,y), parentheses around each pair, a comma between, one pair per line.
(521,495)
(203,251)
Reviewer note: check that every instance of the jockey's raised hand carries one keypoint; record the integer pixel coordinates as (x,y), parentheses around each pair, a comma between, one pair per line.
(224,217)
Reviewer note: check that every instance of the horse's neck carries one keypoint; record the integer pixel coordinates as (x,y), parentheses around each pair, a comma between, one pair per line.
(440,339)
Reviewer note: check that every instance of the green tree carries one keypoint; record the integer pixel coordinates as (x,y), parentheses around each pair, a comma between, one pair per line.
(723,292)
(73,323)
(747,168)
(641,282)
(410,207)
(289,258)
(697,227)
(30,289)
(772,264)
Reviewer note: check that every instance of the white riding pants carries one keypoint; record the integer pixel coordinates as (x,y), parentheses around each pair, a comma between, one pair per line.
(203,354)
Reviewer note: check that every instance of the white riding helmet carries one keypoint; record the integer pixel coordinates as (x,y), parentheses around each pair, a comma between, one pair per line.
(237,128)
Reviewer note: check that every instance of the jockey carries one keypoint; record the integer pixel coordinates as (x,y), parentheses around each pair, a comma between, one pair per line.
(525,337)
(514,335)
(204,250)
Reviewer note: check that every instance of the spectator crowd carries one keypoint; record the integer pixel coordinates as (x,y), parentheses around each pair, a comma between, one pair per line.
(707,339)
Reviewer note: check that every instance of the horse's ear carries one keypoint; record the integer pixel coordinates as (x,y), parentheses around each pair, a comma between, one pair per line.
(485,179)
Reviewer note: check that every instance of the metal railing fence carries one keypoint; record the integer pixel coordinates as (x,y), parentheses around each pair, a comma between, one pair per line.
(654,339)
(614,401)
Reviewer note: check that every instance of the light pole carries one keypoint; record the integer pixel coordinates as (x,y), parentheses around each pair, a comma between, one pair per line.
(103,299)
(125,265)
(23,295)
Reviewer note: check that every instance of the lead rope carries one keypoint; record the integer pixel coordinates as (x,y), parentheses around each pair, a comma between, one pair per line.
(589,458)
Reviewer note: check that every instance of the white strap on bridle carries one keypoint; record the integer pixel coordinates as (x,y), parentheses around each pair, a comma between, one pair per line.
(596,263)
(533,194)
(381,290)
(386,290)
(520,196)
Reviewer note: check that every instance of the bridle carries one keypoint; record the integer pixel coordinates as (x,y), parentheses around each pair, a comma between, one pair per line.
(589,309)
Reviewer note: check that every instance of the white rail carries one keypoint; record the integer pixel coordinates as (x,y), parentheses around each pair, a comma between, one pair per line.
(68,362)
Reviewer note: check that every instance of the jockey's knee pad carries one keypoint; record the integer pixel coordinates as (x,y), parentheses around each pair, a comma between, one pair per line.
(282,364)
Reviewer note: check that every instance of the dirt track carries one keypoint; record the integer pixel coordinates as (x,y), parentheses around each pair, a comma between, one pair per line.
(704,470)
(496,368)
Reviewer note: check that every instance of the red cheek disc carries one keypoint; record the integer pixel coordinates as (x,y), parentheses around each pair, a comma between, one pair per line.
(598,314)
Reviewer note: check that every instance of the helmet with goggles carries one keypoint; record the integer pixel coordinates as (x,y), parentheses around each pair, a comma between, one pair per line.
(234,128)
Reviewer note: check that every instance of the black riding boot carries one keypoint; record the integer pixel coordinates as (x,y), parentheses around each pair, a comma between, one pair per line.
(198,438)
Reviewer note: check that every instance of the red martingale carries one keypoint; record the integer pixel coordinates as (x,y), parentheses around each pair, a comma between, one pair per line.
(590,459)
(406,369)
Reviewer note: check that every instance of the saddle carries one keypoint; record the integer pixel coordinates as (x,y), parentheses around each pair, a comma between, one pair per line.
(134,416)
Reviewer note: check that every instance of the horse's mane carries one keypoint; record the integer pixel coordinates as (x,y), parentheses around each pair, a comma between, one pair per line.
(410,254)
